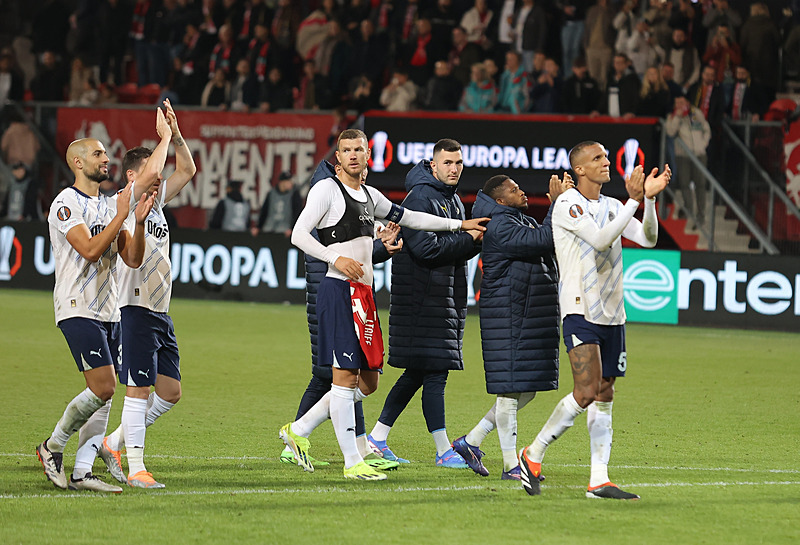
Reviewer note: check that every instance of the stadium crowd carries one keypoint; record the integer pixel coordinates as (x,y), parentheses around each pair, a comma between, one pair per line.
(551,56)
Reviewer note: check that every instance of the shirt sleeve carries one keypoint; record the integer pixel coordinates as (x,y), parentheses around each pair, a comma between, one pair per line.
(572,217)
(64,214)
(644,233)
(384,208)
(318,202)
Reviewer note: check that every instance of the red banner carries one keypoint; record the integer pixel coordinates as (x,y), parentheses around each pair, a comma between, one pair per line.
(252,148)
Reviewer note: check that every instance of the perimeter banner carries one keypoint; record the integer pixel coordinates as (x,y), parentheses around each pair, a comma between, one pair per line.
(252,148)
(529,148)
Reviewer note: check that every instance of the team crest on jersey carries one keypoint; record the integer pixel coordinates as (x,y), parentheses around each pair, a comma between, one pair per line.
(575,210)
(63,213)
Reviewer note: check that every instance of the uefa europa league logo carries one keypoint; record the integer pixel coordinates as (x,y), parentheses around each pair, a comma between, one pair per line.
(6,243)
(378,156)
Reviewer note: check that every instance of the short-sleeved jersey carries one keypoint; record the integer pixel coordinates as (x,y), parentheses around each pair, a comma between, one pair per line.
(149,286)
(590,282)
(83,288)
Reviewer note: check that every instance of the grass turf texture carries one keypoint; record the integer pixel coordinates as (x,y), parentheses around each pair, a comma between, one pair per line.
(706,431)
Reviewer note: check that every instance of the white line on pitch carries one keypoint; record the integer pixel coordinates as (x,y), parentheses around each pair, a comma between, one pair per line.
(362,491)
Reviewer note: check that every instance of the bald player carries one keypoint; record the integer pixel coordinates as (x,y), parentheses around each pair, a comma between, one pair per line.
(87,233)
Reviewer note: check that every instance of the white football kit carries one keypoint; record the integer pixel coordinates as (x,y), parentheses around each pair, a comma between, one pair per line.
(325,206)
(586,234)
(150,285)
(83,288)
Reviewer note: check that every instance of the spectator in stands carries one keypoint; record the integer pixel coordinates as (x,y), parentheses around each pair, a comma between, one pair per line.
(643,49)
(22,197)
(724,55)
(668,75)
(462,56)
(400,94)
(217,92)
(479,23)
(261,52)
(760,44)
(538,65)
(546,89)
(688,123)
(721,13)
(313,29)
(573,16)
(529,30)
(284,28)
(281,208)
(190,66)
(12,85)
(334,60)
(232,212)
(443,91)
(514,86)
(654,98)
(658,17)
(78,80)
(598,41)
(443,19)
(364,96)
(624,23)
(492,70)
(684,58)
(747,100)
(357,11)
(480,95)
(113,44)
(225,54)
(313,92)
(622,94)
(276,93)
(256,13)
(244,88)
(580,93)
(421,54)
(50,80)
(707,96)
(370,52)
(688,15)
(107,94)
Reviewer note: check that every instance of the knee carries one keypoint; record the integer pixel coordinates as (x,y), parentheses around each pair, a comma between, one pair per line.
(584,395)
(104,390)
(171,395)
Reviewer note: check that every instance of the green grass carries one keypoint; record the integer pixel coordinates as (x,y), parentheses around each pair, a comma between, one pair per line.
(706,431)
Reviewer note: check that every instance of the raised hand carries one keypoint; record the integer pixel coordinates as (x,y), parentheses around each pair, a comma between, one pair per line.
(557,187)
(655,183)
(124,201)
(172,119)
(162,126)
(634,184)
(144,206)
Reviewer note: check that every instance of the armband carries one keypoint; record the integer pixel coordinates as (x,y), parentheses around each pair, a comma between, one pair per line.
(395,213)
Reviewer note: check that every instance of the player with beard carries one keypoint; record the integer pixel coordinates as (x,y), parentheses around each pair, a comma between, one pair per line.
(87,233)
(343,211)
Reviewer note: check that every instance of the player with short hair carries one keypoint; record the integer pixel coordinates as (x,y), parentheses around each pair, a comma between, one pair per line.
(87,232)
(151,355)
(343,211)
(586,231)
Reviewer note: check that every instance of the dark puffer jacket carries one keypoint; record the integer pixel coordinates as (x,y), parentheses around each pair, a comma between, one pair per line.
(316,271)
(518,301)
(429,281)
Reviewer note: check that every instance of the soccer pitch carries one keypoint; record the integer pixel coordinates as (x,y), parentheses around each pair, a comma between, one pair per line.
(706,431)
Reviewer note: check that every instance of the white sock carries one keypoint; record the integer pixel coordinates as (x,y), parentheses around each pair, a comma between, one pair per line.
(358,395)
(484,428)
(315,416)
(363,445)
(133,419)
(75,415)
(381,431)
(564,415)
(600,434)
(506,416)
(90,438)
(344,423)
(156,406)
(441,441)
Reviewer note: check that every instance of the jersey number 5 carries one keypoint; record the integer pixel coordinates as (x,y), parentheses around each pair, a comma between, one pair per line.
(623,362)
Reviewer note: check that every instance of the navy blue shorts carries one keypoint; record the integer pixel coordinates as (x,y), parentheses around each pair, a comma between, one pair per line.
(93,344)
(337,340)
(610,338)
(150,347)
